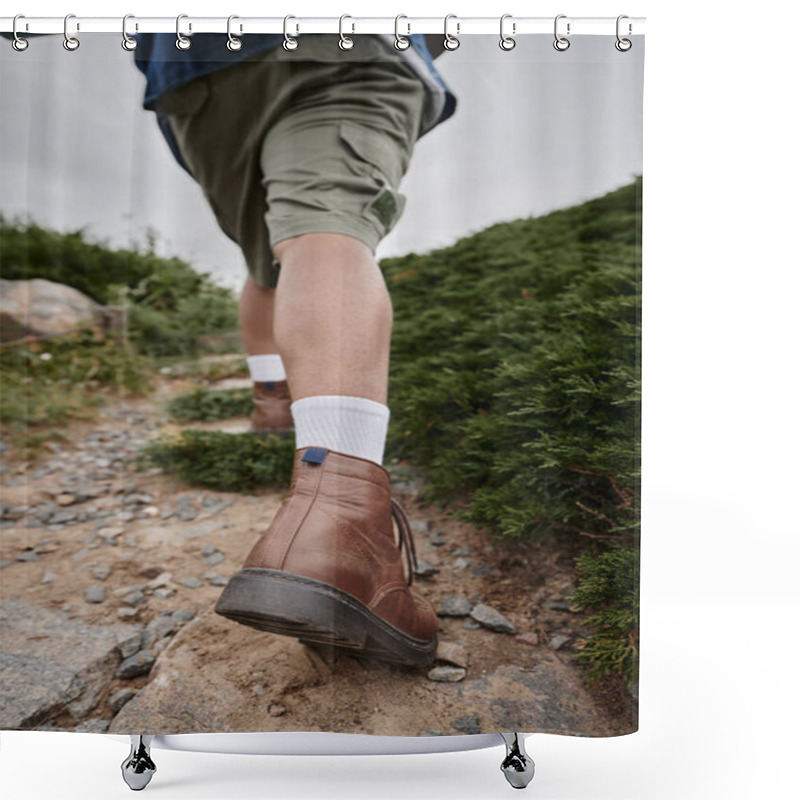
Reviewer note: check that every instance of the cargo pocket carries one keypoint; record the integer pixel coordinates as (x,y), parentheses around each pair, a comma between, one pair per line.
(385,162)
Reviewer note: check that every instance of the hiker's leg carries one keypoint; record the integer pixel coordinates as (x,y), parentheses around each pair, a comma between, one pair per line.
(333,317)
(256,316)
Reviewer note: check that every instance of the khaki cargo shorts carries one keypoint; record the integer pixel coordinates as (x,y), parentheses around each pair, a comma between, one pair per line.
(291,142)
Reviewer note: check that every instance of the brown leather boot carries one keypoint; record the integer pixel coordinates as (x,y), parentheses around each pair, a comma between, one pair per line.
(328,569)
(271,407)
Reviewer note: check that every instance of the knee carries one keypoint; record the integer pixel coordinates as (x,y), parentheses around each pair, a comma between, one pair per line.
(320,245)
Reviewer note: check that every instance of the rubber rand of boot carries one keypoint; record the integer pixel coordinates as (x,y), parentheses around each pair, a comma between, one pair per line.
(320,614)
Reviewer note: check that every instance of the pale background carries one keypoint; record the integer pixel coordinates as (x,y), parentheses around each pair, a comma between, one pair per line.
(719,694)
(78,151)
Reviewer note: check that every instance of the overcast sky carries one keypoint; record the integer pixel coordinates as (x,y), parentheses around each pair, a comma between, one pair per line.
(534,130)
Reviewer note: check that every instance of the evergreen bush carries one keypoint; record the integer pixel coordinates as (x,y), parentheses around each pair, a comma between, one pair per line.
(516,382)
(204,405)
(168,303)
(225,462)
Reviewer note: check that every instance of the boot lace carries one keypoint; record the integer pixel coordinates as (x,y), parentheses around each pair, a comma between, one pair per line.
(406,543)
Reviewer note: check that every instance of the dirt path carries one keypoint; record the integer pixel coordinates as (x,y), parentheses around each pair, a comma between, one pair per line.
(91,545)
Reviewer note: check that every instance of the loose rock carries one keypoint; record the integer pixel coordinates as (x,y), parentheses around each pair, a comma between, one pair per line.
(101,572)
(139,664)
(134,598)
(454,605)
(150,572)
(424,569)
(186,510)
(163,579)
(119,698)
(452,652)
(130,643)
(491,618)
(95,594)
(158,628)
(447,674)
(213,506)
(558,641)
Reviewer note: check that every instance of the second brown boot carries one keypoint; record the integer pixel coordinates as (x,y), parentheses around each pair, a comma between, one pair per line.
(271,408)
(328,569)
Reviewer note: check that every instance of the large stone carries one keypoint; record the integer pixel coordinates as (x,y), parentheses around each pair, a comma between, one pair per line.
(197,686)
(44,308)
(50,663)
(218,676)
(548,698)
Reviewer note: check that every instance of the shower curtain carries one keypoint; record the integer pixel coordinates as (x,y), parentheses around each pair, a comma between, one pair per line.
(497,191)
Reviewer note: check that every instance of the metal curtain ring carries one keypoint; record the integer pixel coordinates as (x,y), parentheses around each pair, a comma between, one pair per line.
(623,45)
(182,43)
(507,42)
(345,42)
(288,42)
(451,42)
(70,42)
(561,43)
(401,42)
(19,44)
(233,44)
(128,43)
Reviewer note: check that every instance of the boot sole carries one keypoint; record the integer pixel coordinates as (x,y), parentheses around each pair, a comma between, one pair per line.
(317,613)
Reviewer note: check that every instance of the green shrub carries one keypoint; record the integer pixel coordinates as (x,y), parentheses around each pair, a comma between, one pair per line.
(168,303)
(225,462)
(609,586)
(515,369)
(44,385)
(516,374)
(209,368)
(203,405)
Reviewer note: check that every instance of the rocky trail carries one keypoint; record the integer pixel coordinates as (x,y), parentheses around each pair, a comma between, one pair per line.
(109,578)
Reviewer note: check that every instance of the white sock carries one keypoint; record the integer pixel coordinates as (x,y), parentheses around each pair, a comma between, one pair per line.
(265,369)
(353,426)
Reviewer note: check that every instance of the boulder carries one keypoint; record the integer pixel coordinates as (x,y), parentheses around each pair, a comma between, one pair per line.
(40,307)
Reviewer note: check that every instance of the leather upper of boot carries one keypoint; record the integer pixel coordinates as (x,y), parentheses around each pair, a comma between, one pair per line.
(337,527)
(271,406)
